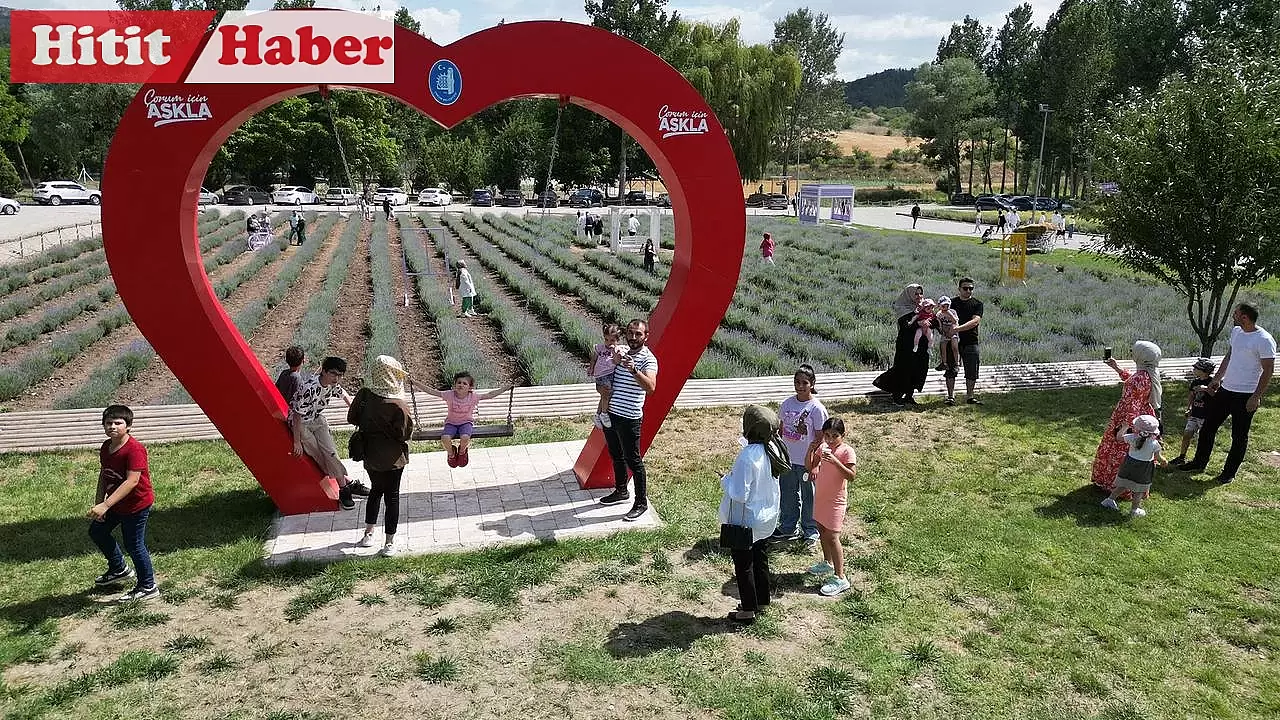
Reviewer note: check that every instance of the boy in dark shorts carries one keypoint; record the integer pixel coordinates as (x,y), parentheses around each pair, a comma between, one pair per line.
(124,498)
(1197,393)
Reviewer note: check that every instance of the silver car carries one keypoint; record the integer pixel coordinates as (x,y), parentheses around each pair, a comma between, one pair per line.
(340,196)
(294,195)
(9,207)
(207,198)
(434,196)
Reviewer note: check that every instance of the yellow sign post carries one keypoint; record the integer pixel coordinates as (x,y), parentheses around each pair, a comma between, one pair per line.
(1013,257)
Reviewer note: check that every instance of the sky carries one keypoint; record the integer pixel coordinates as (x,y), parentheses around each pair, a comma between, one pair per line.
(877,36)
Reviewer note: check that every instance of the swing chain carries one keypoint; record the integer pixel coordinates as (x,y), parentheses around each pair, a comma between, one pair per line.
(328,104)
(551,161)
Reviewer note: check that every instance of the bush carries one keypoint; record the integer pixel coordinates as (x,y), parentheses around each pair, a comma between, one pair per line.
(10,183)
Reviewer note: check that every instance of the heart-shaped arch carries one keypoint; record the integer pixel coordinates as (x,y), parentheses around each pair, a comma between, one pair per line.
(153,174)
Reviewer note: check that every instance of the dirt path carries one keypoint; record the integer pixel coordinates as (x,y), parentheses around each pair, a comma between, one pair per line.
(278,328)
(506,367)
(70,376)
(419,343)
(348,336)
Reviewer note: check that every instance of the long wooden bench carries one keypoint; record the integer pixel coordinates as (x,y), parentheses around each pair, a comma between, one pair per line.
(62,429)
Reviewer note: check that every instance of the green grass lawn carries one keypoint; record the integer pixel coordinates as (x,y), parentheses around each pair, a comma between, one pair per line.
(988,584)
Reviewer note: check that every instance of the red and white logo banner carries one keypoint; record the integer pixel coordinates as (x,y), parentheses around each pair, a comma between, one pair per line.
(103,46)
(293,46)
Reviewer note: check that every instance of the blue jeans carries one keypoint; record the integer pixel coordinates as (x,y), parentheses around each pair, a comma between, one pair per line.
(133,530)
(797,504)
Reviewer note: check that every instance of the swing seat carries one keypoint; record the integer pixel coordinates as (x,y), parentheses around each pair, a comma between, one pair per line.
(477,431)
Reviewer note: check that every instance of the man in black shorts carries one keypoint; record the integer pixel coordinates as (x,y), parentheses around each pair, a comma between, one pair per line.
(969,309)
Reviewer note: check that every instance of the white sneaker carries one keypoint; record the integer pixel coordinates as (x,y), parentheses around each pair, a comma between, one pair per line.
(821,568)
(1138,512)
(366,541)
(389,550)
(834,586)
(1110,504)
(605,421)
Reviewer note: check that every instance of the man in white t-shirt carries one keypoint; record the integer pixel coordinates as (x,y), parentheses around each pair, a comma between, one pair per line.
(1236,389)
(635,375)
(633,225)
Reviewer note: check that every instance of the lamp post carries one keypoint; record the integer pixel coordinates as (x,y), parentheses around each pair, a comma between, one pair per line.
(1035,200)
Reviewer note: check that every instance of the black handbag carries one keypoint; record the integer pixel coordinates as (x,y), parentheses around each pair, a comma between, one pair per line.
(736,537)
(355,446)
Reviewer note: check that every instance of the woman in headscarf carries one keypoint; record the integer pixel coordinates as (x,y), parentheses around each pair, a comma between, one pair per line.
(910,358)
(384,421)
(1142,395)
(751,498)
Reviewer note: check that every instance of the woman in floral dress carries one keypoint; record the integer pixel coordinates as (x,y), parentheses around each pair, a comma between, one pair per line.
(1142,396)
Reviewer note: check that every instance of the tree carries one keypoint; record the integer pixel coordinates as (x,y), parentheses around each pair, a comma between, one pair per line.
(968,38)
(219,5)
(1198,167)
(1011,67)
(943,99)
(72,125)
(406,21)
(748,87)
(819,101)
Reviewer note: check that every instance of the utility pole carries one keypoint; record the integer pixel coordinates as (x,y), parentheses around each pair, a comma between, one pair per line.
(1044,108)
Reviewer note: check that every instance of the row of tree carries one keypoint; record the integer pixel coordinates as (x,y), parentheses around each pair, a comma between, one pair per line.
(773,100)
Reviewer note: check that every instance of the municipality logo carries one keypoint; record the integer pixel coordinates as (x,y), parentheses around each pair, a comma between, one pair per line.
(445,81)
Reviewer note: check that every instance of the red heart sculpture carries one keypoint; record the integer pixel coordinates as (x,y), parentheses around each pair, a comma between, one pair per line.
(153,174)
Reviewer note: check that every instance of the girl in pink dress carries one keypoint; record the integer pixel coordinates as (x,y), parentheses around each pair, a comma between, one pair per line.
(1142,396)
(832,464)
(458,423)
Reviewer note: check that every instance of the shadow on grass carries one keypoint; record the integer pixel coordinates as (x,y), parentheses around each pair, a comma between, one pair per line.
(1178,485)
(668,631)
(208,521)
(29,616)
(1082,504)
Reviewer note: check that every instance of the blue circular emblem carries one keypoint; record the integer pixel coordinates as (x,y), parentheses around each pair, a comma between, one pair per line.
(446,82)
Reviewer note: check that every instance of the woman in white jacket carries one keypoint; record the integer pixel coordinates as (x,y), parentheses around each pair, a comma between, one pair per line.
(751,498)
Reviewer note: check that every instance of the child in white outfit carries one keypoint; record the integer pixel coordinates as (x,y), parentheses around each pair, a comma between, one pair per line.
(947,321)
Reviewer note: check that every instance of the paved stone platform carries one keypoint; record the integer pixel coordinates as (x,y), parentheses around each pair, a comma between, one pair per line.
(505,495)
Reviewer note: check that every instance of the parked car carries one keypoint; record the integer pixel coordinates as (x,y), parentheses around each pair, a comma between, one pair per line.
(755,200)
(510,198)
(294,195)
(1022,203)
(434,196)
(482,198)
(547,199)
(341,196)
(9,207)
(207,198)
(664,200)
(65,191)
(1046,203)
(636,197)
(962,199)
(395,195)
(585,198)
(991,202)
(777,201)
(246,195)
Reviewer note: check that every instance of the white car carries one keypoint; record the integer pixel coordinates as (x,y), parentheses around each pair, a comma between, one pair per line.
(9,207)
(396,195)
(65,191)
(434,196)
(294,195)
(207,198)
(341,196)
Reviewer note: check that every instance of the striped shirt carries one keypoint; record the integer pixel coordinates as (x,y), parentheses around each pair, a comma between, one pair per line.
(628,397)
(312,398)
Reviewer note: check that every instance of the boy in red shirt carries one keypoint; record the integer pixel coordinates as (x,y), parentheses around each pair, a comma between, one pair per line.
(124,498)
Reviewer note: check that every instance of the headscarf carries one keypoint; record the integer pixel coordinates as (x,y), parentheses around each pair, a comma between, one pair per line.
(1147,355)
(386,377)
(760,425)
(906,302)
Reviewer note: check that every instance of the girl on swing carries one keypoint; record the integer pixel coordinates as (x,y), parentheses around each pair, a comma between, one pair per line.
(458,423)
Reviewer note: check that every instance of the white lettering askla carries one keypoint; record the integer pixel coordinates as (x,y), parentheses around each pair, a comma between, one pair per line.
(168,109)
(681,122)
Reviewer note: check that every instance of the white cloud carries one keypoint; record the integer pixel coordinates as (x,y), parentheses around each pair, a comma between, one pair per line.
(442,26)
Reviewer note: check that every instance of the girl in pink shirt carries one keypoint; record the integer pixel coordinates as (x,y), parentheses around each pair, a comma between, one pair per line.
(462,401)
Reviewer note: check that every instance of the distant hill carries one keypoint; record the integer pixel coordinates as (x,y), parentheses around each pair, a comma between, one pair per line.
(886,88)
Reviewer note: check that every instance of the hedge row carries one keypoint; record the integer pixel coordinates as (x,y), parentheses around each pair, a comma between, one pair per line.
(381,330)
(48,291)
(248,319)
(543,360)
(40,365)
(459,351)
(100,387)
(51,271)
(52,256)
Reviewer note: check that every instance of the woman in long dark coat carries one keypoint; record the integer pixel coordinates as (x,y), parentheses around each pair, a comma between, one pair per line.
(910,359)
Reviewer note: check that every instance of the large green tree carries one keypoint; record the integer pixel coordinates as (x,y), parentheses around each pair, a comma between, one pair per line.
(944,99)
(1198,167)
(1011,67)
(968,38)
(819,105)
